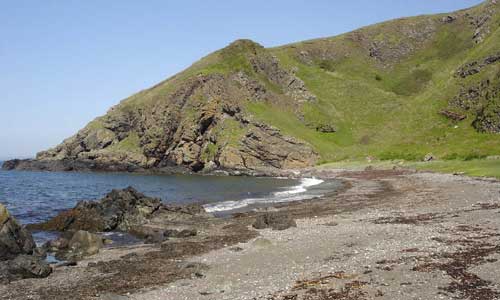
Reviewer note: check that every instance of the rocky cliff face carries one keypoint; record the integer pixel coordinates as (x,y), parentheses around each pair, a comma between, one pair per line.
(199,123)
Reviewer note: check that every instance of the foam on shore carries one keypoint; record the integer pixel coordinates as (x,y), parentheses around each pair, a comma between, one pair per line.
(294,193)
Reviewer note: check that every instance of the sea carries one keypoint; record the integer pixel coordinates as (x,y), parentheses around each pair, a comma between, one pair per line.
(33,197)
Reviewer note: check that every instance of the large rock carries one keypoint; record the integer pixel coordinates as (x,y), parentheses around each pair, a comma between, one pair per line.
(84,243)
(14,239)
(118,210)
(274,220)
(22,267)
(16,249)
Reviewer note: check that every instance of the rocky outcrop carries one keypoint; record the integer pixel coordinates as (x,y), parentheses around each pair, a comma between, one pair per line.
(476,66)
(119,210)
(188,128)
(264,145)
(14,239)
(17,251)
(480,99)
(286,80)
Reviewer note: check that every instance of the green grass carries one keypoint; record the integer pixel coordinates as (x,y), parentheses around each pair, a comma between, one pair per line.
(390,112)
(479,168)
(129,144)
(385,108)
(475,167)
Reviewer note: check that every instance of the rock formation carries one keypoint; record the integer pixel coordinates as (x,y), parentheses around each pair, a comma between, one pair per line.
(16,251)
(14,239)
(119,210)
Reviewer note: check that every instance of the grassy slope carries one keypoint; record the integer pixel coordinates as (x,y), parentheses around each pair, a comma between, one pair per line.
(389,113)
(474,167)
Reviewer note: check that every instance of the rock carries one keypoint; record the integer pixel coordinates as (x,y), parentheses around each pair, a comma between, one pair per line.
(448,19)
(274,220)
(84,243)
(14,239)
(4,214)
(40,252)
(429,157)
(180,233)
(190,209)
(23,266)
(148,234)
(60,243)
(118,210)
(326,128)
(453,115)
(475,67)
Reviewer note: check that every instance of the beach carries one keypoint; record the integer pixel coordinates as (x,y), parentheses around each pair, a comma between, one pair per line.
(392,234)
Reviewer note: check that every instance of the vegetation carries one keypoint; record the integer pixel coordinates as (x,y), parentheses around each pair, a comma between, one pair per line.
(475,167)
(381,88)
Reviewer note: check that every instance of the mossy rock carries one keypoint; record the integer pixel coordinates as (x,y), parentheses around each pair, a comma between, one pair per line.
(4,214)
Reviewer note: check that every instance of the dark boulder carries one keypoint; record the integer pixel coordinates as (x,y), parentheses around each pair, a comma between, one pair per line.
(22,267)
(274,220)
(150,235)
(14,239)
(118,210)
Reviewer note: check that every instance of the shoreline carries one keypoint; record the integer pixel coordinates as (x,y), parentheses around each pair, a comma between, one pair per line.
(397,202)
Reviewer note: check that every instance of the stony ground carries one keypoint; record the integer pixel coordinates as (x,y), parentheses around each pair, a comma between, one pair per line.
(386,235)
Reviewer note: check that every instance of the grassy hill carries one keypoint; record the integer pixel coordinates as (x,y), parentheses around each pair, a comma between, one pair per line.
(395,90)
(388,107)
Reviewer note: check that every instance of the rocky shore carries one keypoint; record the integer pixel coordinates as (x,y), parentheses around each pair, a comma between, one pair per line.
(386,235)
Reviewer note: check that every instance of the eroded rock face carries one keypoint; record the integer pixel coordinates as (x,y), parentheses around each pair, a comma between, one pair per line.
(14,239)
(480,99)
(190,127)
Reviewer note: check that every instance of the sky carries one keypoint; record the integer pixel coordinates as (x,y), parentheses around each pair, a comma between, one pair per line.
(63,63)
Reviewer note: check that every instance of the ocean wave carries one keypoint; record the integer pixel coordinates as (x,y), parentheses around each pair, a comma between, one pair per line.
(295,193)
(300,188)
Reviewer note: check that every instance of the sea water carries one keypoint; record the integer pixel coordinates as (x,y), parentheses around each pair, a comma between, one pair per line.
(37,196)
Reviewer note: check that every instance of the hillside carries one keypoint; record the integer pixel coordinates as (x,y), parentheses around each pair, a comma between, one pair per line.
(395,90)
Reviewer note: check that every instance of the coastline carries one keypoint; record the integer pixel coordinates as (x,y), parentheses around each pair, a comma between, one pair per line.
(406,226)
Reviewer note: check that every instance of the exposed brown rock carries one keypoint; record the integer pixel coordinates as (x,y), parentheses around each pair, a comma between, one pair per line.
(14,239)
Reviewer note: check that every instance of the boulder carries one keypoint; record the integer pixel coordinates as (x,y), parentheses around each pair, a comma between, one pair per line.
(14,239)
(150,235)
(22,267)
(118,210)
(274,220)
(429,157)
(84,243)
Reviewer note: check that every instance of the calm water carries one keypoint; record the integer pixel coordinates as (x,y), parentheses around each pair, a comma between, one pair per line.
(36,196)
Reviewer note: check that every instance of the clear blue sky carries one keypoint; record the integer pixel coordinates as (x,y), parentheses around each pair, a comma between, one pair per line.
(62,63)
